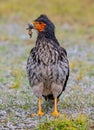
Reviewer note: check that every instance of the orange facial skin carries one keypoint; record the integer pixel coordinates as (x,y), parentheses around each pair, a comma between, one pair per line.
(40,26)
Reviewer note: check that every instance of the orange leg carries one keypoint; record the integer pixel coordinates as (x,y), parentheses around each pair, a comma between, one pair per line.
(40,113)
(55,112)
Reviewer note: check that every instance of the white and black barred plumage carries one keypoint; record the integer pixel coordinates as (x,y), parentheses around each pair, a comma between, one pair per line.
(47,65)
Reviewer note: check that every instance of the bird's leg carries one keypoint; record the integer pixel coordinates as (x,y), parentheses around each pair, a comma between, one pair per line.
(55,112)
(40,113)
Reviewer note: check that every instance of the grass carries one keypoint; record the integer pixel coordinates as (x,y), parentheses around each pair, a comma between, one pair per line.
(66,123)
(61,11)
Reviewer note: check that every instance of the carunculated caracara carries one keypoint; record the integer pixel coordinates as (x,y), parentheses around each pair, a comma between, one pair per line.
(47,65)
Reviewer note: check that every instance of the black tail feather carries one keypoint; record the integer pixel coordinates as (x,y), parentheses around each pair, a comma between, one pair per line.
(49,97)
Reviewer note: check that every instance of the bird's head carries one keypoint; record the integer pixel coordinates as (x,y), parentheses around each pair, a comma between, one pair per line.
(43,24)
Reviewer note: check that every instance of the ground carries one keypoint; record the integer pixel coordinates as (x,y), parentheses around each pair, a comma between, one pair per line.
(17,101)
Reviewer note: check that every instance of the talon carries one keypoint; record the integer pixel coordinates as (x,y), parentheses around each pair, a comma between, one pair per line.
(40,113)
(32,115)
(55,113)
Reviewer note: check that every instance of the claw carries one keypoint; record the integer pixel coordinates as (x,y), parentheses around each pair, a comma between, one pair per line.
(40,113)
(32,115)
(55,113)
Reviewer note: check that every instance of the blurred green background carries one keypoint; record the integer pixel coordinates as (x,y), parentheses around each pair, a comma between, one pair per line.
(72,11)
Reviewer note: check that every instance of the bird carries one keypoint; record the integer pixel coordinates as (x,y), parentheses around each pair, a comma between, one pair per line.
(47,64)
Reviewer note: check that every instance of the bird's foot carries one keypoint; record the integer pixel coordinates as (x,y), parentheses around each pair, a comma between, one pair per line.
(32,115)
(40,113)
(55,113)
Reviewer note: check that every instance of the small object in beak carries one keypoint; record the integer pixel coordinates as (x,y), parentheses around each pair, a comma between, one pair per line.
(30,27)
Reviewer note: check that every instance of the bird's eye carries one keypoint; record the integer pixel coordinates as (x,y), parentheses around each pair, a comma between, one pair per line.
(40,22)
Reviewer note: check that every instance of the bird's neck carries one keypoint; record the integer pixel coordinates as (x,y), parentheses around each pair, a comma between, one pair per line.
(46,36)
